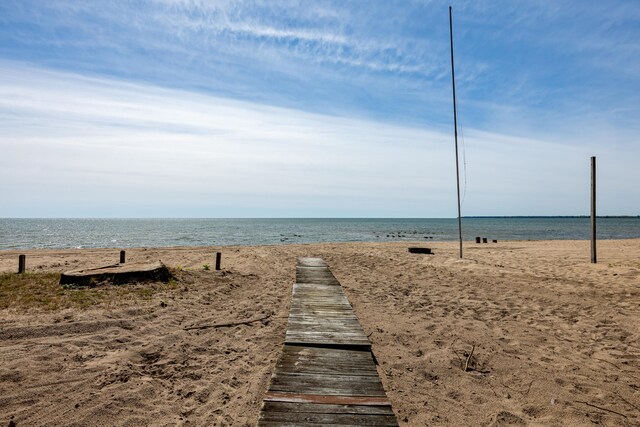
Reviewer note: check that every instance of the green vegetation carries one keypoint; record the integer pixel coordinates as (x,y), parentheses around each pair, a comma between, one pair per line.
(42,291)
(206,267)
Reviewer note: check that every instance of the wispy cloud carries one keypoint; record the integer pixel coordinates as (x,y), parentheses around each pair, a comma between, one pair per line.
(105,143)
(235,46)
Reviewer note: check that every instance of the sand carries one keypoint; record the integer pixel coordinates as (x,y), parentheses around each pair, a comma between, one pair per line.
(555,339)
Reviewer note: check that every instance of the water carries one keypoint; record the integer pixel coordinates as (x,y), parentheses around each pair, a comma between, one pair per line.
(124,233)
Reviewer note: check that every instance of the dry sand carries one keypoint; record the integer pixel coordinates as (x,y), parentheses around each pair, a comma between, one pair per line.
(557,339)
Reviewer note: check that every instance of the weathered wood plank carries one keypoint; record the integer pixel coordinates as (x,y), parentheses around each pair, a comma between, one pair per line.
(326,339)
(311,262)
(346,385)
(319,279)
(315,299)
(312,268)
(306,418)
(320,272)
(326,325)
(271,396)
(316,289)
(326,368)
(318,353)
(336,390)
(276,406)
(340,335)
(298,424)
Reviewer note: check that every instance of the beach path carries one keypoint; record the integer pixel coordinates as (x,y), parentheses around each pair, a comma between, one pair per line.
(326,373)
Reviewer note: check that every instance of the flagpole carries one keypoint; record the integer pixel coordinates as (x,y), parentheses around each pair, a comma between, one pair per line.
(455,129)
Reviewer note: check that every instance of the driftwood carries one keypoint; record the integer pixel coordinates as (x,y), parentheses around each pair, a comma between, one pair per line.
(601,408)
(466,364)
(228,324)
(417,250)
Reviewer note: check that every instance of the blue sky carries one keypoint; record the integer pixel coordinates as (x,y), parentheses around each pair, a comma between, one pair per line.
(183,108)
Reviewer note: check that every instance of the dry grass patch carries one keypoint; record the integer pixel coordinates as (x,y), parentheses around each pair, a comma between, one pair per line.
(42,291)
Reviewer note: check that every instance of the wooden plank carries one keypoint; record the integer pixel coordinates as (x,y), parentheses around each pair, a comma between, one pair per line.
(318,311)
(329,324)
(312,353)
(301,379)
(298,424)
(302,362)
(343,336)
(312,268)
(325,324)
(307,418)
(306,300)
(317,298)
(309,298)
(322,310)
(273,396)
(310,317)
(326,368)
(311,262)
(339,389)
(321,328)
(322,408)
(314,271)
(316,289)
(315,274)
(327,339)
(319,281)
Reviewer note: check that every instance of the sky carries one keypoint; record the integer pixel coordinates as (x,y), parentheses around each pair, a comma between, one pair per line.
(198,108)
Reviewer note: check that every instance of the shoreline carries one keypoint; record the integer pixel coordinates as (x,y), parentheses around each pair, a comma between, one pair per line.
(466,243)
(550,331)
(46,258)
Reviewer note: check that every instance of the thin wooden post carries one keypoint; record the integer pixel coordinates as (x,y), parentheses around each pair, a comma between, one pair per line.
(122,257)
(455,129)
(477,239)
(218,259)
(22,264)
(594,258)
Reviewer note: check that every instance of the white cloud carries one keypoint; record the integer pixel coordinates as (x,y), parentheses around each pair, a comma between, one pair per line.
(92,140)
(69,142)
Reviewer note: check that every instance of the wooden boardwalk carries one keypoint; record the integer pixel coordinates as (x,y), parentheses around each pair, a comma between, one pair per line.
(326,374)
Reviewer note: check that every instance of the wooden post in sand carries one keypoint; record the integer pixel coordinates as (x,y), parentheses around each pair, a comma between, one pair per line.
(122,257)
(22,263)
(594,258)
(218,259)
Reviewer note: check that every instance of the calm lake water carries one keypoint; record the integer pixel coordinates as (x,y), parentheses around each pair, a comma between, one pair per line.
(123,233)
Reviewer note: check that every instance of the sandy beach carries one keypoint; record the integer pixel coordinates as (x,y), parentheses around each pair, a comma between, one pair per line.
(555,339)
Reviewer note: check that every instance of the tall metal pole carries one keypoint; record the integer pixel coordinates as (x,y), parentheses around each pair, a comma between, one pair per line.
(594,259)
(455,128)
